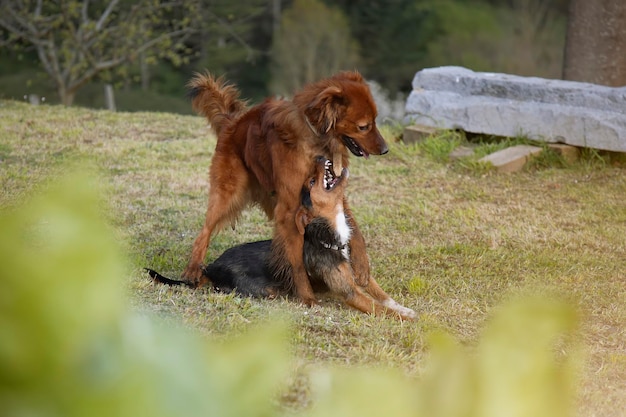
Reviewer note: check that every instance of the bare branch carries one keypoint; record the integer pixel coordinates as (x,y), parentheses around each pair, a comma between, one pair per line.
(93,72)
(49,62)
(105,14)
(160,38)
(85,12)
(23,27)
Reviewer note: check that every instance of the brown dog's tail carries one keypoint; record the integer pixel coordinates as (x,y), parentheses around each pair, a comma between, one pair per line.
(214,98)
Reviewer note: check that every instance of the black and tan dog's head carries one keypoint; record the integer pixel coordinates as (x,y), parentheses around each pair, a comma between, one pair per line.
(342,106)
(322,194)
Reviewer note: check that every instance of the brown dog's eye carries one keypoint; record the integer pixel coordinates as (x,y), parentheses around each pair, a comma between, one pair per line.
(312,182)
(363,128)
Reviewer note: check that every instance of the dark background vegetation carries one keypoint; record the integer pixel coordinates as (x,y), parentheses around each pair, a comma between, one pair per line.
(253,43)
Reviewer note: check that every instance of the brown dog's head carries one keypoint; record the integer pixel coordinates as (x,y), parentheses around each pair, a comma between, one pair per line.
(342,106)
(322,194)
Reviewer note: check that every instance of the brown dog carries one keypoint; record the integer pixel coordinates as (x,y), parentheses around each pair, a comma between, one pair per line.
(264,154)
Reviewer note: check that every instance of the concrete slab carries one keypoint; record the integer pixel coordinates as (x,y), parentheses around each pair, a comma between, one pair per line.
(461,152)
(417,133)
(554,111)
(569,153)
(512,159)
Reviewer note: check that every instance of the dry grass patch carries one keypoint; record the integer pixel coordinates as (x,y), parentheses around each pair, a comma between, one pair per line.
(451,241)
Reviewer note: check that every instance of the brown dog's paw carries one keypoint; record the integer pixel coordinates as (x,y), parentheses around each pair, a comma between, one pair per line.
(194,276)
(309,302)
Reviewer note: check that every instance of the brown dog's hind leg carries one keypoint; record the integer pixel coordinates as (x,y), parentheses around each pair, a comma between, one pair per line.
(287,266)
(287,262)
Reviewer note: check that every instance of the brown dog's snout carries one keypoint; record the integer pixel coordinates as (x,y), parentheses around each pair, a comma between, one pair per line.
(384,148)
(381,144)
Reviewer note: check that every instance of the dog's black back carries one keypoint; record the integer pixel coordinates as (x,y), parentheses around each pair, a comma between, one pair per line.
(244,268)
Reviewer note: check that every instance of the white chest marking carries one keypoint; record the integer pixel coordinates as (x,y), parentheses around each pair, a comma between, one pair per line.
(343,230)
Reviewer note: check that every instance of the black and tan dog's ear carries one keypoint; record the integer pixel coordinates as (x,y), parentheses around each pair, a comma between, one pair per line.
(303,218)
(324,111)
(303,215)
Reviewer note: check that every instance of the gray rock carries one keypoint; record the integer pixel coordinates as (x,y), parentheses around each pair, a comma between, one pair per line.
(574,113)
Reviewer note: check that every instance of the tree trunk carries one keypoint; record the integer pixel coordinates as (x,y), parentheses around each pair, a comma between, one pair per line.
(66,96)
(595,49)
(275,17)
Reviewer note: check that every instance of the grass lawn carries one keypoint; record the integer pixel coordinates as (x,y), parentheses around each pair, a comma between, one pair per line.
(450,240)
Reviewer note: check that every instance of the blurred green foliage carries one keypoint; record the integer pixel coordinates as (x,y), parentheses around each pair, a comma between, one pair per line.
(71,347)
(393,40)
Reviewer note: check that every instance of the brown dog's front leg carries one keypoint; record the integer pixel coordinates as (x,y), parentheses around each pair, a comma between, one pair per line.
(193,273)
(287,266)
(286,261)
(302,287)
(358,253)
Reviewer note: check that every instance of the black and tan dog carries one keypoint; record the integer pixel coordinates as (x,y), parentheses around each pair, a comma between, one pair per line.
(322,220)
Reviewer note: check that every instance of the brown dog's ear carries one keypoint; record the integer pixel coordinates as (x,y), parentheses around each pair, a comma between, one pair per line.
(302,219)
(350,75)
(324,111)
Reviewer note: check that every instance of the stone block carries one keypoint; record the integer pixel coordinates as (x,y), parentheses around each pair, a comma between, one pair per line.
(555,111)
(417,133)
(511,159)
(462,152)
(568,153)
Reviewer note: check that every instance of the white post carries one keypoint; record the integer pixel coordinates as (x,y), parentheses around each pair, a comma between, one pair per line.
(109,98)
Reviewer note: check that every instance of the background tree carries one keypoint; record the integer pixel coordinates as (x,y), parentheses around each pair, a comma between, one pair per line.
(393,36)
(77,41)
(465,35)
(388,41)
(535,30)
(523,37)
(400,37)
(234,40)
(595,50)
(313,42)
